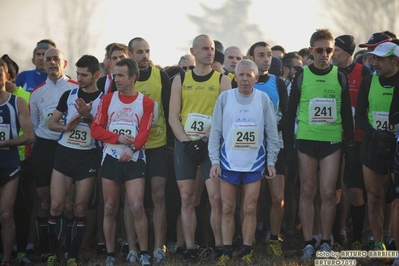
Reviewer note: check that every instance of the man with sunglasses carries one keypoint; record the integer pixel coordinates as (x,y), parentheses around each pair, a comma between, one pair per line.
(43,101)
(155,84)
(187,62)
(292,62)
(353,176)
(275,88)
(377,150)
(321,91)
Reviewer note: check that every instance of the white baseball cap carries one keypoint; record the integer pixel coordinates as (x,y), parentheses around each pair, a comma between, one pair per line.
(386,49)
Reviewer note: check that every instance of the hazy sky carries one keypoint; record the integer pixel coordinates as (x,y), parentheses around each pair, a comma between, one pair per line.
(163,24)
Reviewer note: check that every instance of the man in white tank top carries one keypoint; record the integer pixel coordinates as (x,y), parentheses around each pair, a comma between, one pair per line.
(243,149)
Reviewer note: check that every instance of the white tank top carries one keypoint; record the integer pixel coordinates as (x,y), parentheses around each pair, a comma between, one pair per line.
(243,149)
(78,138)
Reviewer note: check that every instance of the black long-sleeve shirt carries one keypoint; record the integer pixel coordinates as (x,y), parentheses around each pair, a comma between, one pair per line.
(394,110)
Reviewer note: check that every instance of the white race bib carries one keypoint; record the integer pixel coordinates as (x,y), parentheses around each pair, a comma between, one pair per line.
(197,125)
(381,122)
(123,128)
(48,113)
(245,136)
(322,111)
(4,133)
(79,136)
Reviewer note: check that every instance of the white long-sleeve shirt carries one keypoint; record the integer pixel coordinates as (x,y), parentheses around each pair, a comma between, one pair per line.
(43,101)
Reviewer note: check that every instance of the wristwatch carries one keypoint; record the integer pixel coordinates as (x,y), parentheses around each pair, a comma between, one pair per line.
(133,148)
(205,139)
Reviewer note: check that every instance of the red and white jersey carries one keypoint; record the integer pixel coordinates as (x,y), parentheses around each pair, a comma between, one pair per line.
(123,115)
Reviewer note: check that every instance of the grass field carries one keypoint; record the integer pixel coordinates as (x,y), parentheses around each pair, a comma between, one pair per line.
(291,246)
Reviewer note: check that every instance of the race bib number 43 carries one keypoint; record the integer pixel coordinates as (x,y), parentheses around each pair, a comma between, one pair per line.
(322,111)
(197,125)
(245,136)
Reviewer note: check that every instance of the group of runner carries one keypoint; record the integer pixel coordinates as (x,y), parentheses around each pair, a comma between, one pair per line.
(135,136)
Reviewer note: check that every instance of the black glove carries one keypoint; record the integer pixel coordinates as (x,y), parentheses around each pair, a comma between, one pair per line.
(386,143)
(196,150)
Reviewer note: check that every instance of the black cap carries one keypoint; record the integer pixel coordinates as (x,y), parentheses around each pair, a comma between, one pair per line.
(376,39)
(346,43)
(219,57)
(276,66)
(13,68)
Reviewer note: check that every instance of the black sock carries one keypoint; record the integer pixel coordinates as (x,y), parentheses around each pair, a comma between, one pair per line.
(42,229)
(144,252)
(228,250)
(245,250)
(77,233)
(311,242)
(68,233)
(273,237)
(357,213)
(111,254)
(54,232)
(325,241)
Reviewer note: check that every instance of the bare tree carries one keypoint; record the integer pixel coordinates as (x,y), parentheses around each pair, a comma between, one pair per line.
(78,16)
(228,24)
(363,18)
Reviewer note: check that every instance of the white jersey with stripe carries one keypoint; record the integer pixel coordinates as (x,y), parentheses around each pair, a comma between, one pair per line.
(78,138)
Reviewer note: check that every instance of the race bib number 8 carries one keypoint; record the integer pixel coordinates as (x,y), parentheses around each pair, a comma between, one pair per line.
(322,111)
(4,133)
(197,125)
(123,128)
(245,136)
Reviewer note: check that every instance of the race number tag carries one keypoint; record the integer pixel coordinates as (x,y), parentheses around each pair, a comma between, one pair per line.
(245,136)
(48,113)
(197,125)
(79,136)
(4,134)
(156,114)
(381,122)
(322,111)
(123,128)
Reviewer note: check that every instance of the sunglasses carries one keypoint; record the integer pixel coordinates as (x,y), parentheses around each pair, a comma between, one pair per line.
(189,67)
(297,68)
(320,50)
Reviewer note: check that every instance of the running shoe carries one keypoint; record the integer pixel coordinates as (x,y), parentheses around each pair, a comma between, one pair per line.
(223,260)
(132,257)
(274,248)
(145,260)
(308,252)
(159,256)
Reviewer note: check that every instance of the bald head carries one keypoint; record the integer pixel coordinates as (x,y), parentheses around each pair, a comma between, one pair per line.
(54,63)
(199,38)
